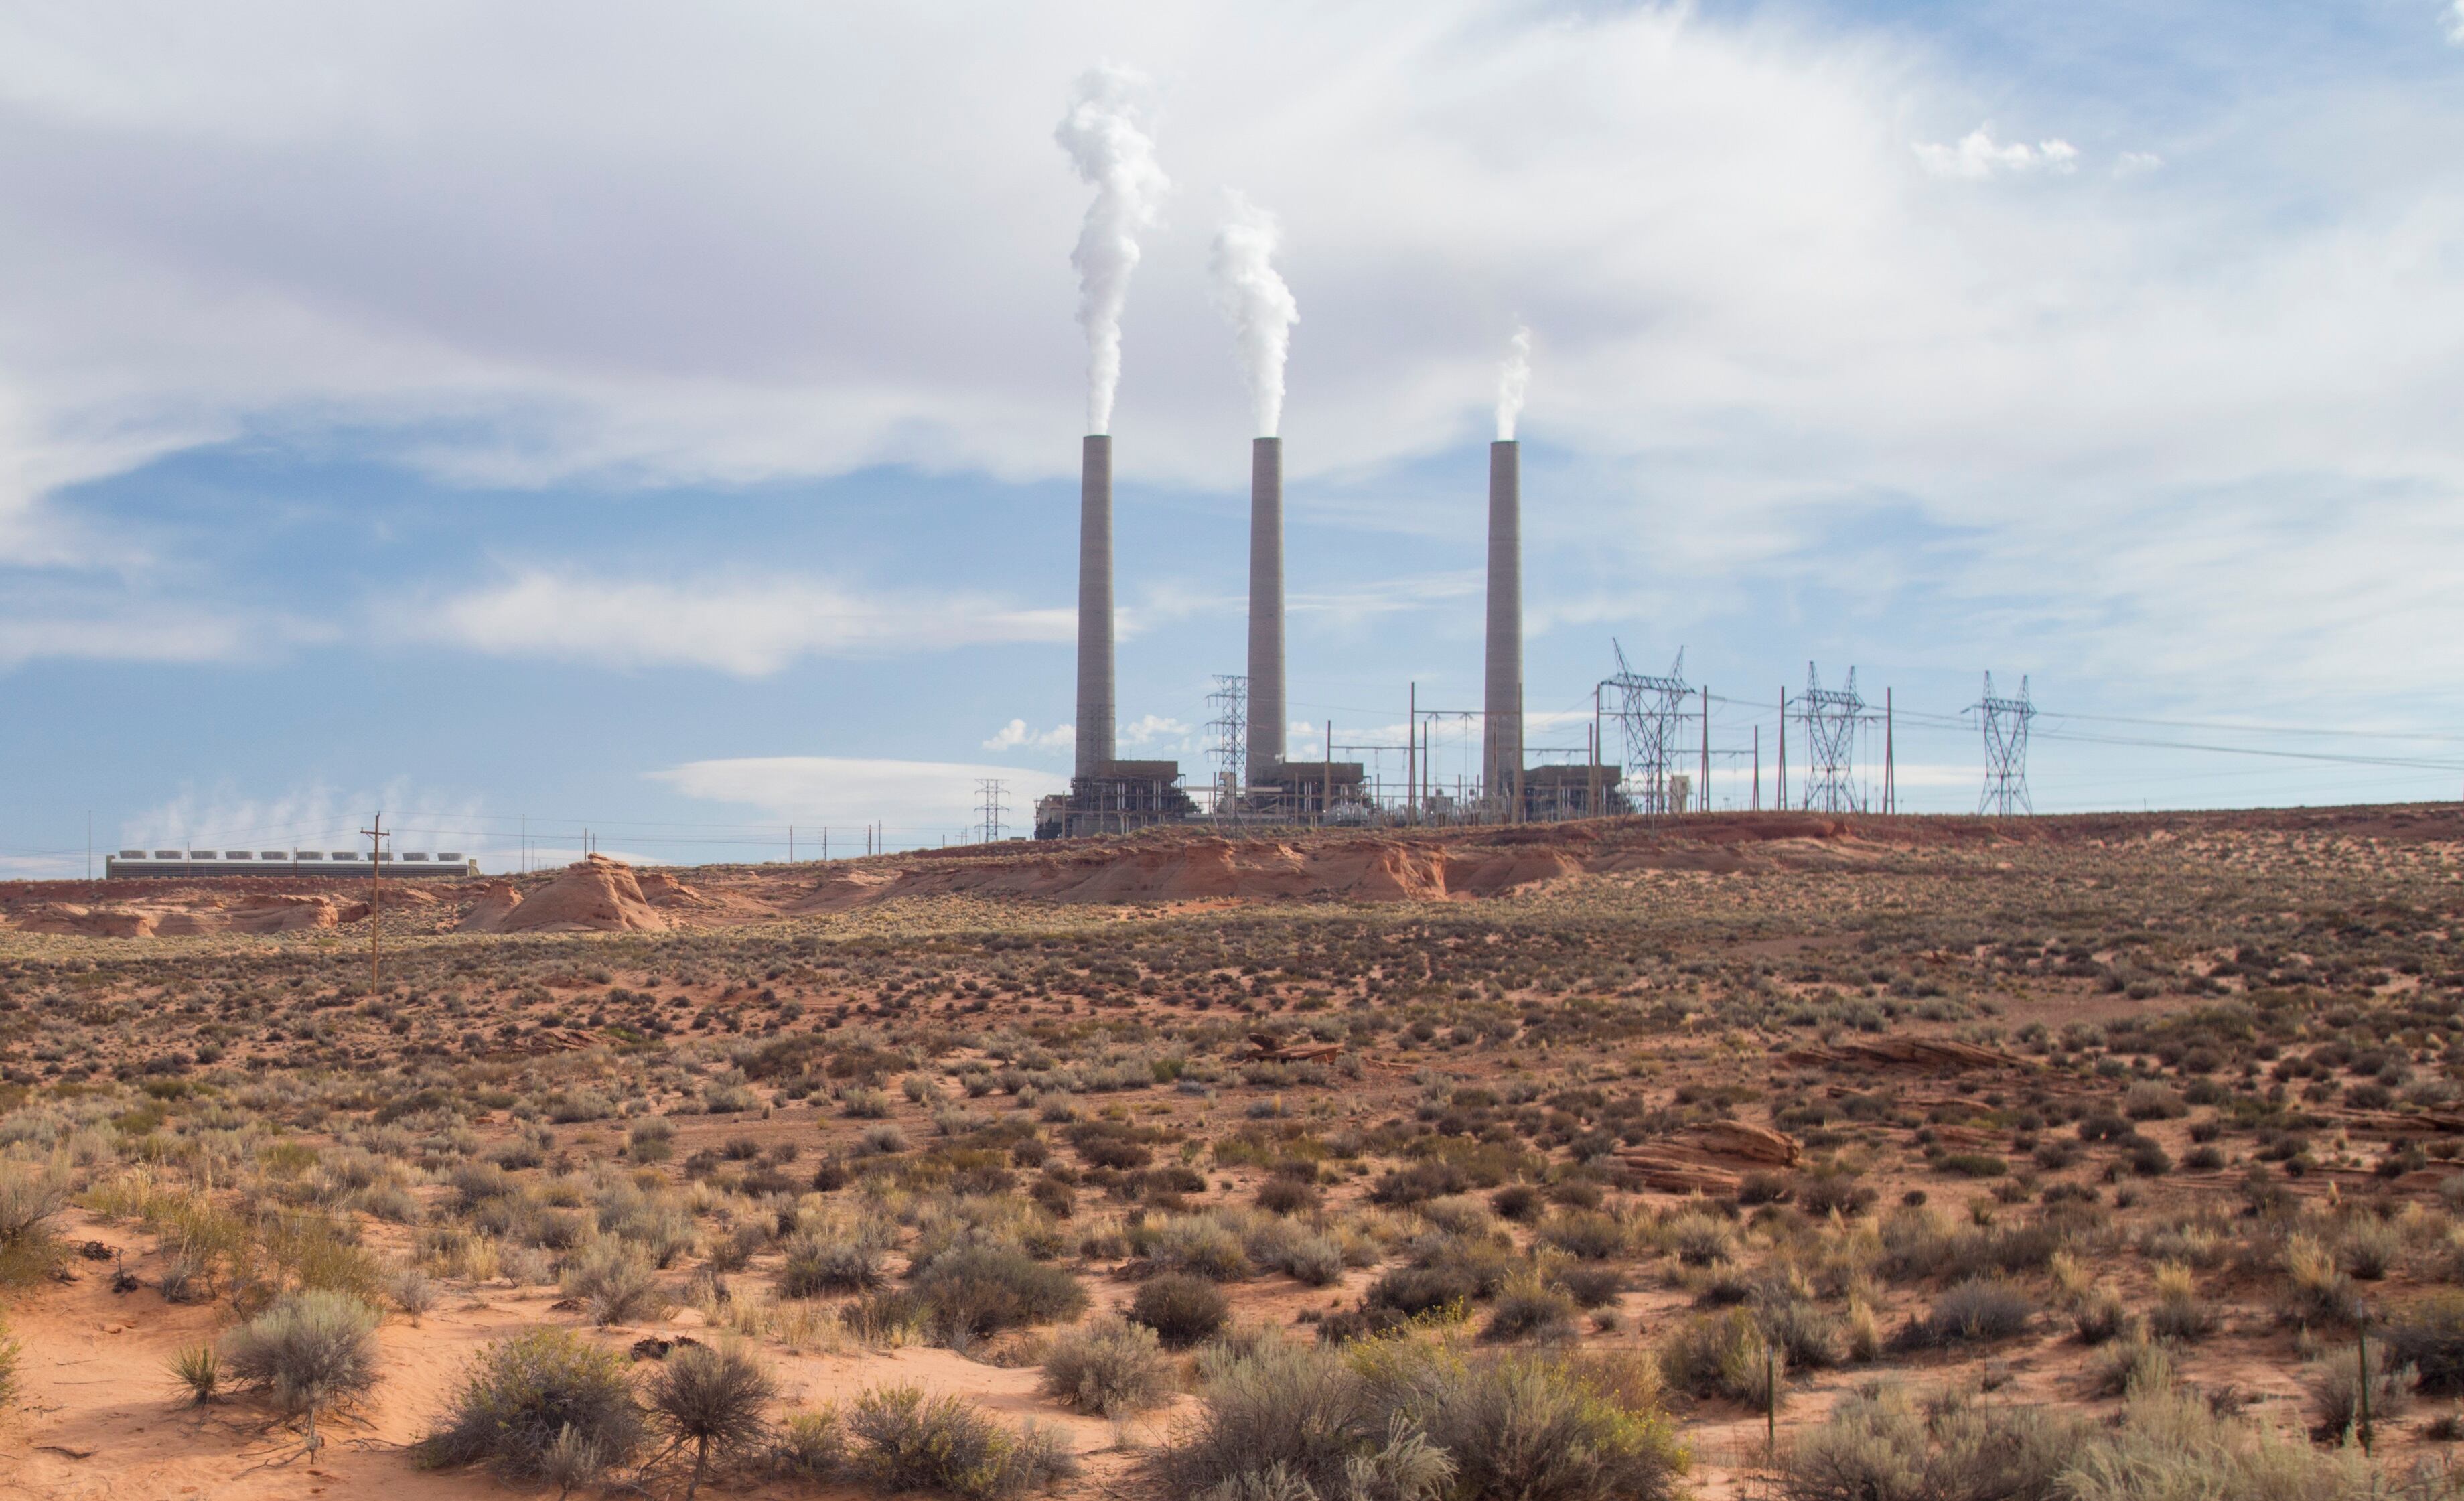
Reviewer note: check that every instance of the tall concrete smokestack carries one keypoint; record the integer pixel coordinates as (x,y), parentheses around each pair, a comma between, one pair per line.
(1502,718)
(1095,605)
(1265,607)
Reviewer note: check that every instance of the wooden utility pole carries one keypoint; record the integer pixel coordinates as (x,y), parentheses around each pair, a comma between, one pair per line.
(376,881)
(1758,768)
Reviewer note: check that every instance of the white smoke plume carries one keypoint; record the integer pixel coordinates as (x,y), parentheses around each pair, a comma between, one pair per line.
(1512,380)
(1104,134)
(1253,296)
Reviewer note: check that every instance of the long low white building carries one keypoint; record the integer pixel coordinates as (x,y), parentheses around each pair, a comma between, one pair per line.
(131,863)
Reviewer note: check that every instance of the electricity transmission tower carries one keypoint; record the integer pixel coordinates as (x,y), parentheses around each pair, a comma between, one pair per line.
(2006,751)
(990,790)
(1648,711)
(1230,702)
(1832,716)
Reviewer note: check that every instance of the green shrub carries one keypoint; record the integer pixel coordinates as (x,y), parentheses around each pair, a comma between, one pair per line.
(1298,1413)
(1180,1310)
(1406,1420)
(1723,1354)
(1109,1367)
(810,1445)
(2430,1338)
(2335,1393)
(309,1352)
(1550,1427)
(906,1440)
(522,1393)
(1585,1233)
(1528,1307)
(613,1281)
(2171,1443)
(975,1290)
(816,1264)
(1877,1445)
(31,1198)
(1972,1313)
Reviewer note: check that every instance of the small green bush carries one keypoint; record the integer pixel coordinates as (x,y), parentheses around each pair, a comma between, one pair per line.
(1723,1354)
(906,1440)
(1109,1367)
(975,1290)
(2429,1336)
(613,1280)
(815,1265)
(1182,1310)
(1976,1311)
(1877,1445)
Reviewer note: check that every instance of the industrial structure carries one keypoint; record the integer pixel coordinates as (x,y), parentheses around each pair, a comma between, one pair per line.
(341,864)
(1501,763)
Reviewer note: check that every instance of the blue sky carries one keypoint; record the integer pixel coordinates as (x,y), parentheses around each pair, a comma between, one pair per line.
(666,423)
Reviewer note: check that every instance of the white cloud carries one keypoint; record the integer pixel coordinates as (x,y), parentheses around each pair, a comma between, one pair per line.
(1976,156)
(1153,729)
(2455,23)
(748,626)
(1016,736)
(2136,163)
(620,240)
(918,800)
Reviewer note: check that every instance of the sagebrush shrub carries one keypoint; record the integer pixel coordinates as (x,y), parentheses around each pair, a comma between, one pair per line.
(1180,1310)
(308,1352)
(906,1440)
(1108,1367)
(1972,1313)
(715,1399)
(613,1280)
(521,1394)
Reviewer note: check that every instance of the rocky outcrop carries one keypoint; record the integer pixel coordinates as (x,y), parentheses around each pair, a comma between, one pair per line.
(92,923)
(488,915)
(597,896)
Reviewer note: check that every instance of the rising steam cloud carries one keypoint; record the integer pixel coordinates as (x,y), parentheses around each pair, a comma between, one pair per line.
(1512,380)
(1253,296)
(1104,134)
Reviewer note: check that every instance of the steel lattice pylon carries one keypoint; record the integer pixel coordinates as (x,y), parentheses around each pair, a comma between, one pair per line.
(1832,716)
(1648,711)
(2006,751)
(1230,702)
